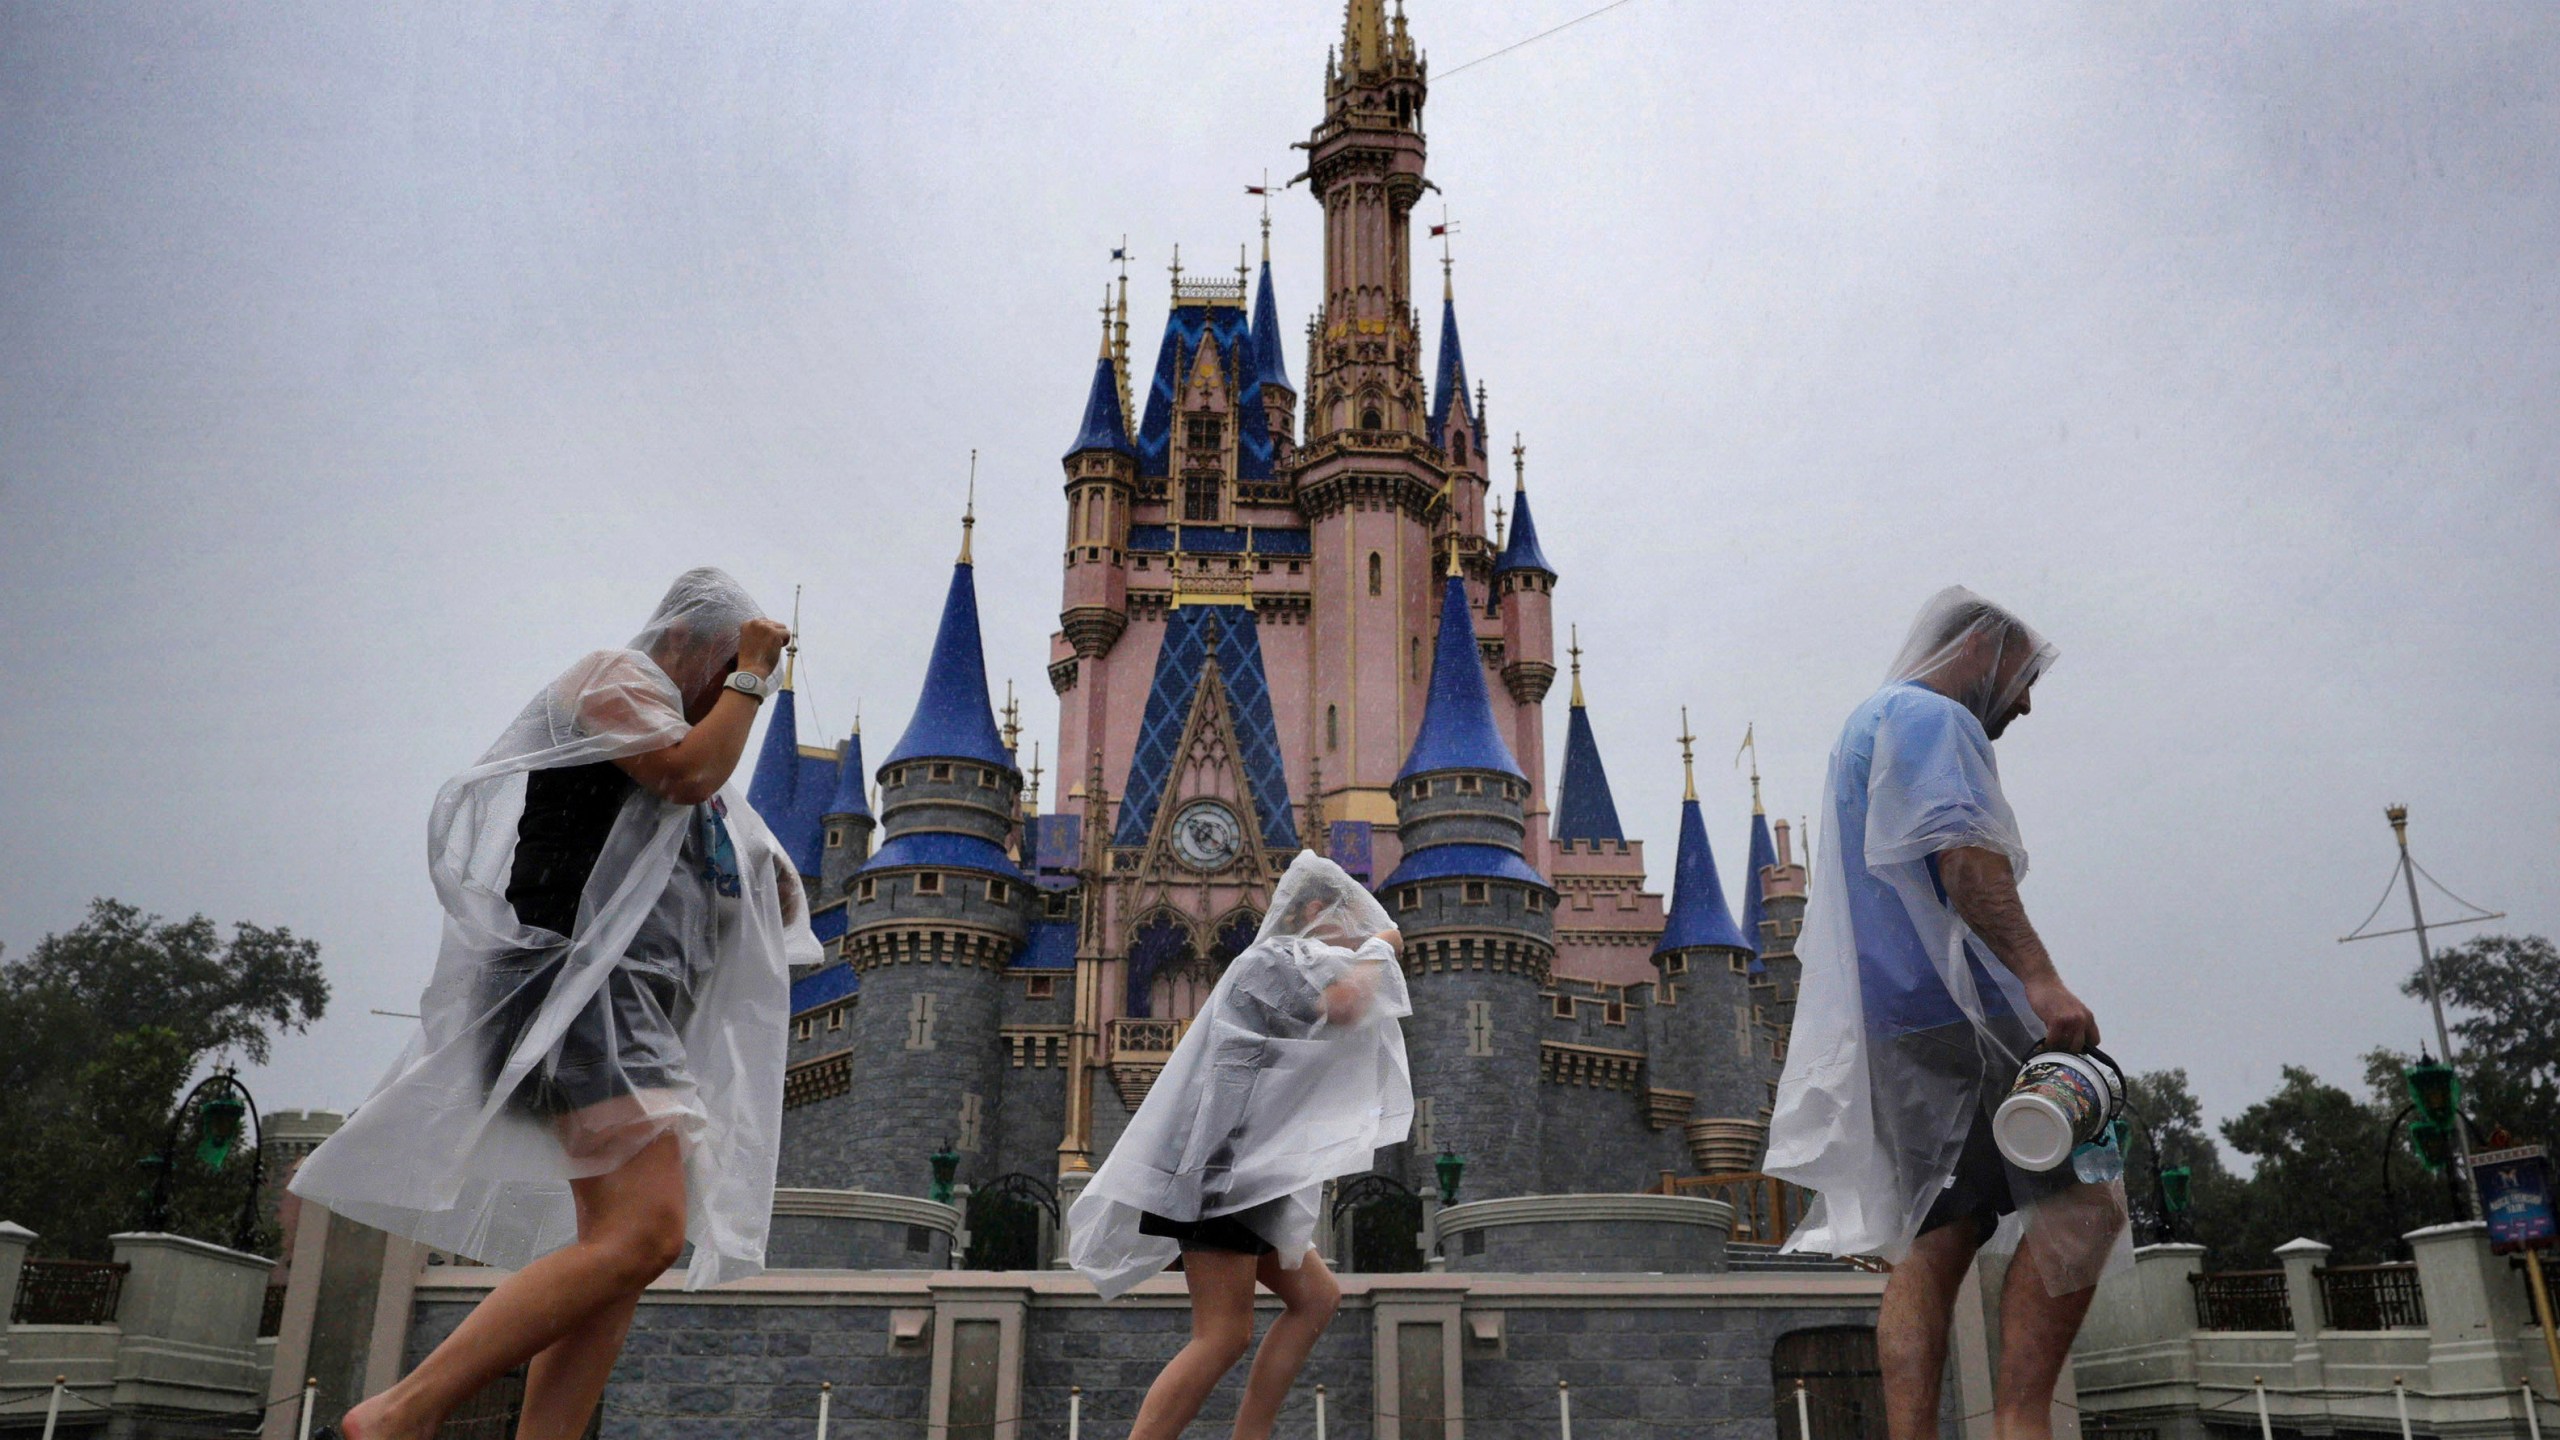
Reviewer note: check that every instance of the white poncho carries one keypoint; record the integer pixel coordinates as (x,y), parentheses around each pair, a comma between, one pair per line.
(1906,1025)
(438,1153)
(1292,1074)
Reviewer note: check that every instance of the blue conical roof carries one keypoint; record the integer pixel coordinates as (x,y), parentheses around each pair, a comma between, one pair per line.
(777,777)
(1452,386)
(1104,428)
(1458,732)
(1754,906)
(953,718)
(1699,916)
(1585,810)
(849,798)
(1270,362)
(1520,548)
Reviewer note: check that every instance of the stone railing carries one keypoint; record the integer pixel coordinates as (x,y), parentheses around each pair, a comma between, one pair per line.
(1766,1209)
(2332,1349)
(168,1330)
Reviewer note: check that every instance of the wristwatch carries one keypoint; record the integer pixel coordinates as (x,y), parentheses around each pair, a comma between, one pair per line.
(748,683)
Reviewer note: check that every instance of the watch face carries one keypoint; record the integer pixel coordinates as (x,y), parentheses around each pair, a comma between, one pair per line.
(1207,835)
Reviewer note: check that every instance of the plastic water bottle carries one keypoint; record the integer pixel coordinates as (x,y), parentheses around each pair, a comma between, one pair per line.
(2100,1160)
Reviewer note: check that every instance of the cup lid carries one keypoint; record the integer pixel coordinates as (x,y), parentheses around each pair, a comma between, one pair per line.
(2032,1131)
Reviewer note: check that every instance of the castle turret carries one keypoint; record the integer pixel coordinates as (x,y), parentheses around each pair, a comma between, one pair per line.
(1457,432)
(848,822)
(1478,932)
(791,786)
(1781,887)
(1271,362)
(1705,1039)
(1585,808)
(937,913)
(1524,591)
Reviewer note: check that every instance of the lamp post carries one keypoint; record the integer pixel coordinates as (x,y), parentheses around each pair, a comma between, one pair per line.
(2436,1093)
(221,1107)
(946,1172)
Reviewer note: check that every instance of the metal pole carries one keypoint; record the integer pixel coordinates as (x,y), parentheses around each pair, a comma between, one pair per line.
(310,1398)
(1564,1411)
(53,1407)
(2266,1427)
(1075,1411)
(1804,1414)
(826,1397)
(2398,815)
(1320,1416)
(2532,1421)
(2542,1308)
(2400,1397)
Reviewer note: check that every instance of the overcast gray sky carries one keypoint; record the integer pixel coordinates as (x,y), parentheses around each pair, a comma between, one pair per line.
(360,365)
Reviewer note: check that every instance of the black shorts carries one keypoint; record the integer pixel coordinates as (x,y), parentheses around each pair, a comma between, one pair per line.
(1985,1186)
(1218,1232)
(620,1041)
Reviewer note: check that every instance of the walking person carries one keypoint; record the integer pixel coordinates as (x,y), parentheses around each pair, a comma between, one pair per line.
(1924,989)
(1292,1074)
(597,1077)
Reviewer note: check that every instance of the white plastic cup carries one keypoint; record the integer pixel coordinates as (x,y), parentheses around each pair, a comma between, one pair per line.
(2058,1101)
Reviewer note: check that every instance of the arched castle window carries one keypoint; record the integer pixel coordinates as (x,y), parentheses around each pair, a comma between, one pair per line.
(1200,498)
(1413,657)
(1161,943)
(1458,446)
(1377,574)
(1370,419)
(1332,727)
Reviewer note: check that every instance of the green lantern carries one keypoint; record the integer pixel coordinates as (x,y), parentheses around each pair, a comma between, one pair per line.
(1449,1167)
(2434,1144)
(217,1129)
(946,1173)
(2177,1188)
(2434,1089)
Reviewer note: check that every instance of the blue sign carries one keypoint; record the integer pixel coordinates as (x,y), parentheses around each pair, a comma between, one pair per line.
(1349,843)
(2515,1196)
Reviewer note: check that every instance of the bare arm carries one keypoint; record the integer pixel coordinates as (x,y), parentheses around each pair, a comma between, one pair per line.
(1984,890)
(1347,999)
(694,768)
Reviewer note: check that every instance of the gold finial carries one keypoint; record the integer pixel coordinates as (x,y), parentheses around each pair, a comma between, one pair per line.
(1033,805)
(1120,332)
(1573,648)
(1012,719)
(969,513)
(1753,746)
(791,652)
(1519,463)
(1446,228)
(1106,321)
(1264,190)
(1176,266)
(1454,572)
(1497,522)
(1688,769)
(1244,272)
(857,715)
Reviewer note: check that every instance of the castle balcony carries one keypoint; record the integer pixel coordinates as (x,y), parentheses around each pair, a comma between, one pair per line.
(1137,1049)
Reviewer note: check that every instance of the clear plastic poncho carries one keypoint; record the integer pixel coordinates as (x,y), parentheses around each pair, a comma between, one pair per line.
(1292,1074)
(1906,1026)
(667,997)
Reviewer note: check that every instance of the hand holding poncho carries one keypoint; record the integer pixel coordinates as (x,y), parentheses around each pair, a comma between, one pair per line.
(1292,1074)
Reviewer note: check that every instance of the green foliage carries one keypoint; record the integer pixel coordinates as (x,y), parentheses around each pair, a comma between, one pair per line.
(2504,991)
(2165,1109)
(100,1029)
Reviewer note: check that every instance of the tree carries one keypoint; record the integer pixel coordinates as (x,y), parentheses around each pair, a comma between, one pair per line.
(2320,1155)
(100,1028)
(2163,1107)
(2505,990)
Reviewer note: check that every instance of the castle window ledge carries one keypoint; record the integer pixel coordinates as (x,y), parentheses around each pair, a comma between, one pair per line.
(823,1078)
(1560,1063)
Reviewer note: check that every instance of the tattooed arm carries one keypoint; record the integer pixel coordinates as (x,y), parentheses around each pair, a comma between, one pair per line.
(1985,892)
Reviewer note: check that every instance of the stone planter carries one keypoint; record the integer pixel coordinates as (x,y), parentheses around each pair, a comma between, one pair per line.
(1586,1234)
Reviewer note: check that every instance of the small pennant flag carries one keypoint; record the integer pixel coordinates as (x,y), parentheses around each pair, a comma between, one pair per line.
(1118,253)
(1439,230)
(1257,189)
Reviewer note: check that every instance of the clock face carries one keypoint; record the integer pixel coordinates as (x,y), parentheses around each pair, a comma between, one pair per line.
(1207,835)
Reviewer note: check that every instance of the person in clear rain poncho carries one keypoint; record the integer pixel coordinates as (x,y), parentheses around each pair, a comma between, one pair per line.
(1924,989)
(596,1078)
(1292,1074)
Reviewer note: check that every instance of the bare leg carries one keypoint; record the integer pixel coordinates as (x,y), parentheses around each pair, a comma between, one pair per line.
(637,1232)
(2036,1329)
(1221,1326)
(1911,1327)
(564,1382)
(1311,1295)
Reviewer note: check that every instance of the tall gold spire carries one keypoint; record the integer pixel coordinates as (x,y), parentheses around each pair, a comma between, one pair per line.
(1752,745)
(969,514)
(1688,769)
(1120,335)
(1574,648)
(1519,463)
(1032,800)
(1364,35)
(791,652)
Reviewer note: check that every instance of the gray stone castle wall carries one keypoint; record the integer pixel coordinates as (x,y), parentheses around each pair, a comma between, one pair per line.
(1483,1106)
(926,1074)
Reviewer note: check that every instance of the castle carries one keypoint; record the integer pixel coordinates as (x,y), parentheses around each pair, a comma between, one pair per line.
(1286,623)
